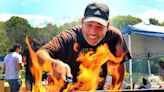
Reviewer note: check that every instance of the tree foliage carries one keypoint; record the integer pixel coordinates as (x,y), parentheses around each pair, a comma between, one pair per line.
(5,41)
(154,21)
(43,35)
(122,21)
(69,25)
(162,23)
(17,28)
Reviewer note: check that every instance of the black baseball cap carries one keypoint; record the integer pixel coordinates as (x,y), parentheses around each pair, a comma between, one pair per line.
(97,12)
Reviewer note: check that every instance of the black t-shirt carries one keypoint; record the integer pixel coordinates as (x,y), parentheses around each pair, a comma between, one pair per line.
(63,47)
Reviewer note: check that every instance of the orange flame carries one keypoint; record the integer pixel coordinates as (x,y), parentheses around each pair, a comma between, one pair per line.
(88,79)
(91,63)
(117,72)
(37,70)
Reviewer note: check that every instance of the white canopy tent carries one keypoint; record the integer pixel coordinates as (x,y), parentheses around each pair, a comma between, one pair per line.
(144,41)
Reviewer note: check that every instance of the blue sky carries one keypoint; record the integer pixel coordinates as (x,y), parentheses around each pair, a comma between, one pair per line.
(41,12)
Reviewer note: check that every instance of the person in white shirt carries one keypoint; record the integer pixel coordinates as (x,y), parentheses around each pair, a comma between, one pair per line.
(145,84)
(12,66)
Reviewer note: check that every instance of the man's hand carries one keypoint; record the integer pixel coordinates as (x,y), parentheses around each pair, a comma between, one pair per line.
(61,70)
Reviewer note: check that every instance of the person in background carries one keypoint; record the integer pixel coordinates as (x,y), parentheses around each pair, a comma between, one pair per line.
(95,30)
(29,80)
(12,65)
(145,84)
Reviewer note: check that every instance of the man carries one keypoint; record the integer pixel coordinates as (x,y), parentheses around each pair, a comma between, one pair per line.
(64,49)
(12,65)
(29,80)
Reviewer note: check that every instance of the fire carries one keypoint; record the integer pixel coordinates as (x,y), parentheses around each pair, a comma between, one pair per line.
(91,63)
(37,70)
(90,67)
(118,72)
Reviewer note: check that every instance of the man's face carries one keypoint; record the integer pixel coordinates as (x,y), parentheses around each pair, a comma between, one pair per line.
(93,32)
(18,49)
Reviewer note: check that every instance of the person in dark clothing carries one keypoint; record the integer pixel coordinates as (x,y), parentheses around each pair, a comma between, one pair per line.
(64,49)
(29,80)
(145,84)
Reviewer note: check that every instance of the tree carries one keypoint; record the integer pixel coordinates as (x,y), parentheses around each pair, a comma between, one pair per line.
(154,21)
(69,25)
(162,23)
(122,21)
(43,35)
(5,41)
(17,28)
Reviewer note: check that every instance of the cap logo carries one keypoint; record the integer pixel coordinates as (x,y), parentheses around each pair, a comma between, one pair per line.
(97,12)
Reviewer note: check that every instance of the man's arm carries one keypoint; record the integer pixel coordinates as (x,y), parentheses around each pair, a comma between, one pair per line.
(4,63)
(60,69)
(121,45)
(118,46)
(4,66)
(19,66)
(19,62)
(119,72)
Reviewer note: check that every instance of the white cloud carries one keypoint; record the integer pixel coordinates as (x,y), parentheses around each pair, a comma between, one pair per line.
(159,0)
(5,17)
(67,19)
(40,20)
(142,6)
(24,4)
(35,20)
(152,13)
